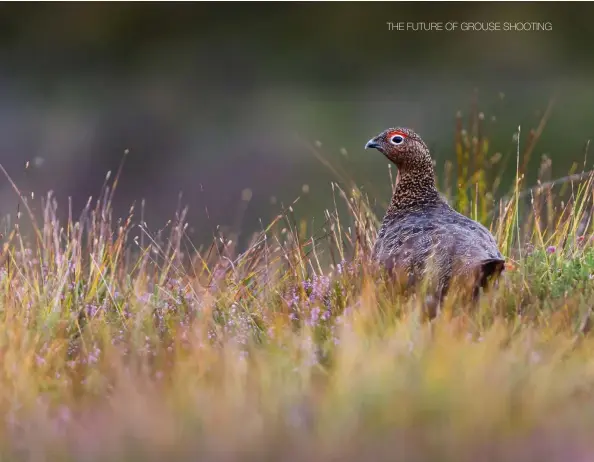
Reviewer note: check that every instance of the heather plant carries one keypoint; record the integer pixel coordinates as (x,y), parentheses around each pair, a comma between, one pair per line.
(121,343)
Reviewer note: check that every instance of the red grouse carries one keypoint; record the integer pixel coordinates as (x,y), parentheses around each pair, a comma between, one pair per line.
(421,235)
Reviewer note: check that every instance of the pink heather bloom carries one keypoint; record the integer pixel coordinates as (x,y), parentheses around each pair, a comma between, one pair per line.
(551,249)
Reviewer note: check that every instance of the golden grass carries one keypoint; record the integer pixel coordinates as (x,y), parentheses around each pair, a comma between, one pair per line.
(117,344)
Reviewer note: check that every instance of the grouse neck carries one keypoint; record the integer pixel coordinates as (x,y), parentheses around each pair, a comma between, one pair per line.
(415,186)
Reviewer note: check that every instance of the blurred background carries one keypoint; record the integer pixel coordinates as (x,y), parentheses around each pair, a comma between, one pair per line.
(222,100)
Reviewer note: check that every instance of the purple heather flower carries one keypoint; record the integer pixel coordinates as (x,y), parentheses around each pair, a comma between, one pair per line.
(319,287)
(293,301)
(340,268)
(93,357)
(551,249)
(145,298)
(314,315)
(92,310)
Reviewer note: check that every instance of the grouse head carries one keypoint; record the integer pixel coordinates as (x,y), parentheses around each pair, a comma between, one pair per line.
(415,182)
(403,147)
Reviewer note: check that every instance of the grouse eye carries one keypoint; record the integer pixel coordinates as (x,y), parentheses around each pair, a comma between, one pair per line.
(398,139)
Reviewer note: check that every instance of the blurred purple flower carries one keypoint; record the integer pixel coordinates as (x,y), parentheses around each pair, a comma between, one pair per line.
(342,267)
(92,310)
(319,287)
(314,316)
(293,300)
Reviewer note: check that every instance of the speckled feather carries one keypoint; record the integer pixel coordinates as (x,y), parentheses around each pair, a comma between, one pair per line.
(421,231)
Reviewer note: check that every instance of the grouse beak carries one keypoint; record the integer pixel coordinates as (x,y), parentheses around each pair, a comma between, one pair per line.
(372,144)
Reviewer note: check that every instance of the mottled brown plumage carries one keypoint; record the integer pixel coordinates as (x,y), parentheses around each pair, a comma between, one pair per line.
(421,236)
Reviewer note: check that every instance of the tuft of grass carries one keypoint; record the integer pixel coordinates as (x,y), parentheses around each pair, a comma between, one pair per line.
(123,344)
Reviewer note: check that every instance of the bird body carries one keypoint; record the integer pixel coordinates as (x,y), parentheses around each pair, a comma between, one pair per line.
(421,236)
